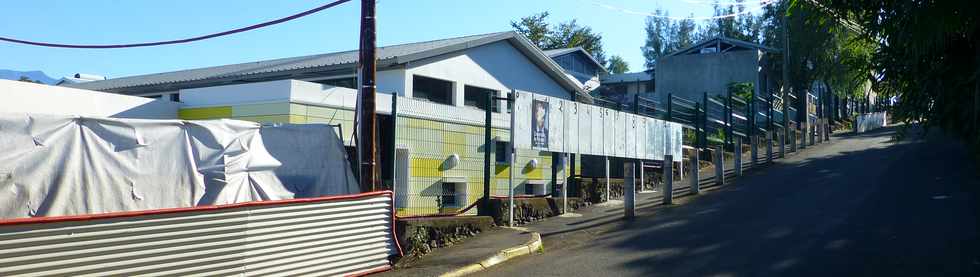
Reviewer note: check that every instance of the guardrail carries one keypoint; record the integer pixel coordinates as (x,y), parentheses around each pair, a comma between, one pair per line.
(334,235)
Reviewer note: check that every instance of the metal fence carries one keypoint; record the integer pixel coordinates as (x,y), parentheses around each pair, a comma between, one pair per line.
(335,235)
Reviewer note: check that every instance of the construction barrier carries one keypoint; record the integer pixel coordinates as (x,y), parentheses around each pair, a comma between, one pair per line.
(333,235)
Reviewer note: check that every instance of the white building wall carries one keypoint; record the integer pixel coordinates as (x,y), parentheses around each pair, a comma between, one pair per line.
(497,66)
(24,97)
(395,80)
(241,93)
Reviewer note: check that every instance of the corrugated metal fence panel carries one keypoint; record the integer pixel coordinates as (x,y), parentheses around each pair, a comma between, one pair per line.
(321,237)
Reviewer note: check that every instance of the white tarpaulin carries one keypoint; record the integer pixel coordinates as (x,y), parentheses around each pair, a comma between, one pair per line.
(64,165)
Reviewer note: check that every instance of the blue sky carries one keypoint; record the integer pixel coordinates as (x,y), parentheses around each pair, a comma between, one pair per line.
(399,21)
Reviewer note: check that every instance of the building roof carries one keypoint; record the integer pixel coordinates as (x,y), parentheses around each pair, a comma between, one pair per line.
(562,51)
(628,77)
(320,64)
(726,43)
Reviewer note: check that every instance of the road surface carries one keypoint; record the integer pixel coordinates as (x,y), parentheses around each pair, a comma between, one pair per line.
(863,205)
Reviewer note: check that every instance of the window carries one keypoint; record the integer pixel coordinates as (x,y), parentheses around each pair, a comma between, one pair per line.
(350,83)
(502,151)
(449,195)
(651,86)
(175,97)
(497,103)
(620,88)
(433,90)
(476,97)
(153,96)
(534,187)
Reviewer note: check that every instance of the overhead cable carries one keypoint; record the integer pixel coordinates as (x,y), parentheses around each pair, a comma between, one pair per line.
(762,3)
(177,41)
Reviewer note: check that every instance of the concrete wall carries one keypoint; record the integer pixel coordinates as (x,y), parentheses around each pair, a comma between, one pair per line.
(24,97)
(690,76)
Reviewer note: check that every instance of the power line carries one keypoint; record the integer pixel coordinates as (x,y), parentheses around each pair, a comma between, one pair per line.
(186,40)
(762,3)
(743,3)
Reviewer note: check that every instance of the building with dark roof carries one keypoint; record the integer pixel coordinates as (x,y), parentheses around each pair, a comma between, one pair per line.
(711,66)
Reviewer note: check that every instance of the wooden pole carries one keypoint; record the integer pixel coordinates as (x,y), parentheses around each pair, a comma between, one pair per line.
(367,130)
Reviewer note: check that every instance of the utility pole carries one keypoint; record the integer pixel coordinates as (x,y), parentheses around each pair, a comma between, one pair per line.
(366,128)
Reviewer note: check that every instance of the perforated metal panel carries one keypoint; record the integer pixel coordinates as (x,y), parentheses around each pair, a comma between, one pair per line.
(322,237)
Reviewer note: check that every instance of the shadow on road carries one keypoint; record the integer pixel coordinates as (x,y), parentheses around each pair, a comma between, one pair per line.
(857,211)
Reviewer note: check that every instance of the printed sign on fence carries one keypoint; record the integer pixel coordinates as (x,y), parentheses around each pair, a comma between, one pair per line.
(557,125)
(539,124)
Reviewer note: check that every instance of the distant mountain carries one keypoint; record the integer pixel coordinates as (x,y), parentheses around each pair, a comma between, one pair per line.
(34,75)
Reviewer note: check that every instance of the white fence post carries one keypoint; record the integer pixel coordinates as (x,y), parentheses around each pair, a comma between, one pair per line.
(695,171)
(608,196)
(782,145)
(668,179)
(720,165)
(629,189)
(769,142)
(738,156)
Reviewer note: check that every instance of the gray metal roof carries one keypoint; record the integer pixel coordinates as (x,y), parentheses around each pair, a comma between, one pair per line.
(627,77)
(727,40)
(287,67)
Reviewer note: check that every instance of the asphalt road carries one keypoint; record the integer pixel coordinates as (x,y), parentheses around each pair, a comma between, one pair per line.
(862,205)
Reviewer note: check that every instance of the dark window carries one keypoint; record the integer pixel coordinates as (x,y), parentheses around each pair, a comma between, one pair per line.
(651,86)
(153,96)
(434,90)
(449,195)
(175,97)
(476,97)
(501,149)
(529,189)
(496,104)
(617,90)
(577,62)
(342,82)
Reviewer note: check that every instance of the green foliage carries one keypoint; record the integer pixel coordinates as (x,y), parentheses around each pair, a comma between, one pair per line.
(564,35)
(925,53)
(618,65)
(717,137)
(742,90)
(28,79)
(570,34)
(534,28)
(665,36)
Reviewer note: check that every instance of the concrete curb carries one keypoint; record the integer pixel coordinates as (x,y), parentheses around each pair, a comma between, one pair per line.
(531,246)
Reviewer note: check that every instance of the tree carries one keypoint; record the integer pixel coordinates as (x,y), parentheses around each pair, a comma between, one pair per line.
(926,53)
(618,65)
(534,28)
(565,35)
(664,36)
(657,40)
(683,34)
(570,34)
(28,79)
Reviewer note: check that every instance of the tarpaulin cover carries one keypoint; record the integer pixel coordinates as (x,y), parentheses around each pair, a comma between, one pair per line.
(64,165)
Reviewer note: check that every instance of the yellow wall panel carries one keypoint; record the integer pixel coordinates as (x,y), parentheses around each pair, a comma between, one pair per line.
(266,119)
(205,113)
(260,109)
